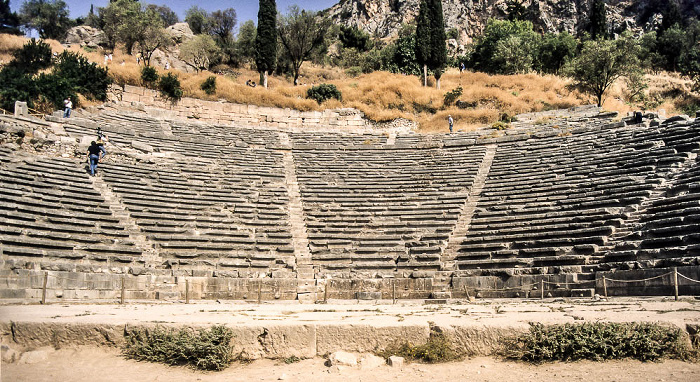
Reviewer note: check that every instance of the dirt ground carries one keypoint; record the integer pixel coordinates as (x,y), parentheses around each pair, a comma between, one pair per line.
(105,364)
(80,362)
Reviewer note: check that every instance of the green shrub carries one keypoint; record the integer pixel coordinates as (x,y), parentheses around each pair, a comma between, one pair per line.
(452,95)
(209,85)
(324,92)
(149,75)
(32,57)
(500,125)
(205,349)
(437,349)
(169,86)
(353,71)
(598,341)
(85,77)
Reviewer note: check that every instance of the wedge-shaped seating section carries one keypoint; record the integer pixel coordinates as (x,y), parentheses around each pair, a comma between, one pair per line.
(554,202)
(382,211)
(52,217)
(228,214)
(668,233)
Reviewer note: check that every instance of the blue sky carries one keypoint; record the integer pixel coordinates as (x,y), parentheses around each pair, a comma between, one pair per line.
(245,10)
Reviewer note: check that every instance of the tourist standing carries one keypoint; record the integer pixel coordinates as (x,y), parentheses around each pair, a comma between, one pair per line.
(67,107)
(451,122)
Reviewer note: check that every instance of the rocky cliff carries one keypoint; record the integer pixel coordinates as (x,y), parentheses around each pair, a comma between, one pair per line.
(384,17)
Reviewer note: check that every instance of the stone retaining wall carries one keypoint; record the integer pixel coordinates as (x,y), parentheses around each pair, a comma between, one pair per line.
(225,113)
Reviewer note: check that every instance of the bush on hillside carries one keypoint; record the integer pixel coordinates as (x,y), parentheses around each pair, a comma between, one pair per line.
(209,85)
(452,95)
(85,77)
(324,92)
(32,57)
(169,86)
(149,75)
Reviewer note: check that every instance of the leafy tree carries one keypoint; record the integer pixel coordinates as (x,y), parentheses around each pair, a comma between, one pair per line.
(554,50)
(221,24)
(671,16)
(430,39)
(487,56)
(93,20)
(198,20)
(123,21)
(602,62)
(513,55)
(516,10)
(671,45)
(48,17)
(352,37)
(690,66)
(400,57)
(149,75)
(266,39)
(9,21)
(597,19)
(199,52)
(153,36)
(422,49)
(245,46)
(167,15)
(301,32)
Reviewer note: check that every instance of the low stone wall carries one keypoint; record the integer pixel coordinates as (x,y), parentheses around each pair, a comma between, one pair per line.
(226,113)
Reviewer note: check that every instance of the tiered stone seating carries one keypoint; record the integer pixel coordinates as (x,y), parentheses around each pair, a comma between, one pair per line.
(668,232)
(554,202)
(228,215)
(52,218)
(380,211)
(337,139)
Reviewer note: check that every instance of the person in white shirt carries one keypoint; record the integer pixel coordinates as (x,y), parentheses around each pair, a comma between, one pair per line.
(68,105)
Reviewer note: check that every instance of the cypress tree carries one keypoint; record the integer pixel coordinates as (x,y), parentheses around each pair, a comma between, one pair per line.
(598,21)
(423,44)
(266,39)
(438,50)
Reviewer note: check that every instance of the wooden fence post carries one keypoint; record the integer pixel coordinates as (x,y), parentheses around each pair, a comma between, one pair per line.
(43,289)
(605,288)
(675,283)
(542,289)
(393,291)
(187,291)
(121,298)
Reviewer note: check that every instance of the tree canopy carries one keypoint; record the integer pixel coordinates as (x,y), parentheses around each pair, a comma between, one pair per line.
(48,17)
(266,39)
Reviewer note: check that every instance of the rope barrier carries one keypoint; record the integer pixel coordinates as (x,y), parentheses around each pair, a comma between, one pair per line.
(256,286)
(638,281)
(688,278)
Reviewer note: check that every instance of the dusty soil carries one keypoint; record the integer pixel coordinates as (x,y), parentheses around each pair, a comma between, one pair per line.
(351,324)
(105,364)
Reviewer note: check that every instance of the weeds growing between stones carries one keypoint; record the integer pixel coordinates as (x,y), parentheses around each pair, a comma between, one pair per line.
(204,349)
(598,341)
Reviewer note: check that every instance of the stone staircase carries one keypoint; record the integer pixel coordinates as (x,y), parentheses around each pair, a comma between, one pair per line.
(449,251)
(300,240)
(119,211)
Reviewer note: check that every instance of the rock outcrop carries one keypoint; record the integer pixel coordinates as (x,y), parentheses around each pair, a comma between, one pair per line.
(86,36)
(469,17)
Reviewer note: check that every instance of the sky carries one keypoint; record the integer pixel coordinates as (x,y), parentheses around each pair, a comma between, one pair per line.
(245,9)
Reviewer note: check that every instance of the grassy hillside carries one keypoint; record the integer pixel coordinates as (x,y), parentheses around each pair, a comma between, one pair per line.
(384,96)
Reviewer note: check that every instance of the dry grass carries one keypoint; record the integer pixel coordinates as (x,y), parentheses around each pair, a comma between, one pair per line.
(383,96)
